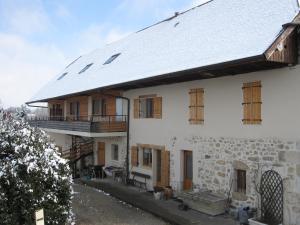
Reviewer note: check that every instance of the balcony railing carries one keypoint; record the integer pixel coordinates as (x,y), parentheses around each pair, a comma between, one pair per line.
(91,123)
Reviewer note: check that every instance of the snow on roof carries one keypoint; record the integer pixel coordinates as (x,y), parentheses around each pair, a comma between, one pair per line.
(215,32)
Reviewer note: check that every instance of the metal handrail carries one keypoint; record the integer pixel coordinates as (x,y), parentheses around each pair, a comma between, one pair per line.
(86,118)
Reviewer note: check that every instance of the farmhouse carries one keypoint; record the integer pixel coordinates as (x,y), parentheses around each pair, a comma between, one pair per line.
(207,99)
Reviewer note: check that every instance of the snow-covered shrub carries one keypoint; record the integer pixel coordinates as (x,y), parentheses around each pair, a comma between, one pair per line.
(32,175)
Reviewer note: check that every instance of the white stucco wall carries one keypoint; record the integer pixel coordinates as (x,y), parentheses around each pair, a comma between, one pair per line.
(120,141)
(223,110)
(223,126)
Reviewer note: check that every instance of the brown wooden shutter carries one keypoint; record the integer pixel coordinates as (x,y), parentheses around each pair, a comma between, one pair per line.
(252,103)
(196,106)
(165,168)
(136,108)
(101,153)
(134,156)
(157,111)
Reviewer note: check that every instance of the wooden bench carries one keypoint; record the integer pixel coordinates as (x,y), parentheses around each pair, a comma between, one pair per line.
(140,183)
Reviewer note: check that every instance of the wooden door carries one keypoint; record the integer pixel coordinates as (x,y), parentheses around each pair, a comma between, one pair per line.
(188,170)
(101,153)
(163,168)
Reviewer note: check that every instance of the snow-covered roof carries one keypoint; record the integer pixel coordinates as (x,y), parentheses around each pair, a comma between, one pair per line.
(215,32)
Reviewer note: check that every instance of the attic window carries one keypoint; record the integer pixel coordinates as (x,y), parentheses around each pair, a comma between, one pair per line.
(73,62)
(85,68)
(112,58)
(62,76)
(176,24)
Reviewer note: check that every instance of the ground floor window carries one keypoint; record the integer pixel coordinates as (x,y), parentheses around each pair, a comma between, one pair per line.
(115,152)
(147,157)
(241,181)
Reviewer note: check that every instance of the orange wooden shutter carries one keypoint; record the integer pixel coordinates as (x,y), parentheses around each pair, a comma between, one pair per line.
(252,103)
(134,156)
(136,108)
(157,107)
(101,153)
(196,106)
(165,168)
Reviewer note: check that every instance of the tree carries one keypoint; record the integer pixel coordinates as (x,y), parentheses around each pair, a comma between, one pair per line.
(32,174)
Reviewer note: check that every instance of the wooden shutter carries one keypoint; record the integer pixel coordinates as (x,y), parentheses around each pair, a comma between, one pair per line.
(196,106)
(134,156)
(157,109)
(252,103)
(101,153)
(136,108)
(165,168)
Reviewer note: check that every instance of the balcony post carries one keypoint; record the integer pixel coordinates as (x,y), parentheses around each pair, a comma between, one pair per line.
(90,108)
(65,109)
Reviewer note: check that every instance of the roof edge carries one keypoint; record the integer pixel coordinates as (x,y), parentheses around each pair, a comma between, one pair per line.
(257,58)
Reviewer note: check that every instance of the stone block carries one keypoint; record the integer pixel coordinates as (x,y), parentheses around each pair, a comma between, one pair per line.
(268,158)
(289,156)
(221,162)
(240,165)
(220,174)
(239,196)
(253,158)
(298,170)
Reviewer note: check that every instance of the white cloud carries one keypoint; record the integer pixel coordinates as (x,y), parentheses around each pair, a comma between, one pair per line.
(26,19)
(25,67)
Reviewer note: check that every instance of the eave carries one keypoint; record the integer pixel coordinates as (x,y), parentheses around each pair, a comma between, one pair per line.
(282,52)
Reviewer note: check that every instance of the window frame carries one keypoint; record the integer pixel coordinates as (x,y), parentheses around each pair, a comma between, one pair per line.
(241,181)
(114,150)
(146,108)
(147,162)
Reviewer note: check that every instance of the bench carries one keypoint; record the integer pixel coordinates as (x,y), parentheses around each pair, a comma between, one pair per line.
(140,183)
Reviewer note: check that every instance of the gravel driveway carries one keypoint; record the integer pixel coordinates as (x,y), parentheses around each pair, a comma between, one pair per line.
(93,207)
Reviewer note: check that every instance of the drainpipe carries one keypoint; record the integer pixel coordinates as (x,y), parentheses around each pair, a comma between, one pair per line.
(127,131)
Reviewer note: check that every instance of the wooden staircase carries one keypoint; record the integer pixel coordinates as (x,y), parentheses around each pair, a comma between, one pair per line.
(81,147)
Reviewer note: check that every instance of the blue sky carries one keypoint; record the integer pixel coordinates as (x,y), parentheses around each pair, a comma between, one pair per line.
(38,38)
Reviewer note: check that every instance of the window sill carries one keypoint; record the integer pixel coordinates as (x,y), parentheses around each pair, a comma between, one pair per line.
(239,196)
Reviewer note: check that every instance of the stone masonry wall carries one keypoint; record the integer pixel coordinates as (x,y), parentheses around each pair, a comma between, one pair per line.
(215,161)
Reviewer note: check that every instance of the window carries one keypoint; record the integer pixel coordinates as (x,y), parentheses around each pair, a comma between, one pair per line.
(74,110)
(147,157)
(85,68)
(56,112)
(62,76)
(99,107)
(112,58)
(241,181)
(73,62)
(252,103)
(114,152)
(96,107)
(148,107)
(196,106)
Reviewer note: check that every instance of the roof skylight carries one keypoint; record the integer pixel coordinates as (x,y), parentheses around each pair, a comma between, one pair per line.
(112,58)
(73,62)
(85,68)
(62,76)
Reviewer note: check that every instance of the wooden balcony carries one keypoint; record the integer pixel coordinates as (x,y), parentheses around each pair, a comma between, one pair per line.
(90,124)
